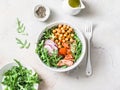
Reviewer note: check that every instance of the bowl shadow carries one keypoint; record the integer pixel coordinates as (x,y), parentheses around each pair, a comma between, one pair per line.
(88,11)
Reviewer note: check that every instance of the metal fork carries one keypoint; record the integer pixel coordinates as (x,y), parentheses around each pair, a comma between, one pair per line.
(88,33)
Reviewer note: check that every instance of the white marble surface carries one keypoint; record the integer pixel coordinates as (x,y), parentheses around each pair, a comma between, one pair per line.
(105,14)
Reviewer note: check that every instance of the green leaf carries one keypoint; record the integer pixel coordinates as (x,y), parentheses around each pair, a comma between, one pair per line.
(23,44)
(20,78)
(21,27)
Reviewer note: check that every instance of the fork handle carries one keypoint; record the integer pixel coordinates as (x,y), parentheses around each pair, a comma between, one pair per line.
(89,67)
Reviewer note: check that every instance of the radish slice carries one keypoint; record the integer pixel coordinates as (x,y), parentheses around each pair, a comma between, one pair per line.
(50,42)
(49,49)
(50,46)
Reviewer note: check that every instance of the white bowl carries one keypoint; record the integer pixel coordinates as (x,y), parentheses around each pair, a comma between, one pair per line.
(81,37)
(8,67)
(47,12)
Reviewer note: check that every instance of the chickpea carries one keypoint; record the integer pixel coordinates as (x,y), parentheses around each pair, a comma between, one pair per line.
(64,26)
(56,34)
(60,25)
(72,35)
(60,35)
(66,39)
(71,40)
(65,35)
(63,31)
(59,46)
(57,30)
(54,31)
(68,36)
(60,38)
(70,29)
(56,41)
(63,41)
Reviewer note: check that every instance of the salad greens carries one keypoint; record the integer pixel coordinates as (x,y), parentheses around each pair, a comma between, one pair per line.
(52,60)
(43,53)
(78,47)
(47,59)
(48,33)
(20,78)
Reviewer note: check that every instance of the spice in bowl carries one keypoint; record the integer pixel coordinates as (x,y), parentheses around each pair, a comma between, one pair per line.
(42,12)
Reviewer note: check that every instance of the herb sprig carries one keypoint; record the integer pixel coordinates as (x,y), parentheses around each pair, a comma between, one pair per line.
(21,31)
(23,44)
(21,27)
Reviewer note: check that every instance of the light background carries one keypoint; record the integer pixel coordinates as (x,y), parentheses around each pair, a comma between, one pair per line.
(105,15)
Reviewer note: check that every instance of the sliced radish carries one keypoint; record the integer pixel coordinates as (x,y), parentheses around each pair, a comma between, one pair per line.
(50,42)
(49,49)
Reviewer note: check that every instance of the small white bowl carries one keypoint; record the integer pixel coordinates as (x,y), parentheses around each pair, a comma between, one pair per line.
(8,67)
(47,12)
(81,37)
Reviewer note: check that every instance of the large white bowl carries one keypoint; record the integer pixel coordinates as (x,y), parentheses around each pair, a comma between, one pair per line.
(8,67)
(81,37)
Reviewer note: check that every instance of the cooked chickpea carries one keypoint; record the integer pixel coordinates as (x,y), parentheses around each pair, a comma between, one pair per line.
(64,26)
(60,25)
(72,35)
(71,40)
(66,39)
(65,35)
(63,41)
(68,27)
(60,35)
(68,36)
(59,46)
(54,31)
(57,34)
(56,41)
(60,38)
(68,31)
(63,31)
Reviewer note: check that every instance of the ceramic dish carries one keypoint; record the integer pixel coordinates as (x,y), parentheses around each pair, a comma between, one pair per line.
(83,51)
(46,12)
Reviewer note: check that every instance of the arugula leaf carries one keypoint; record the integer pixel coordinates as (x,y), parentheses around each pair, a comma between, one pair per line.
(20,78)
(45,57)
(23,44)
(21,27)
(78,47)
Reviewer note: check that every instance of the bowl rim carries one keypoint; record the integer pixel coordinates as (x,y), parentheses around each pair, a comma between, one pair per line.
(81,37)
